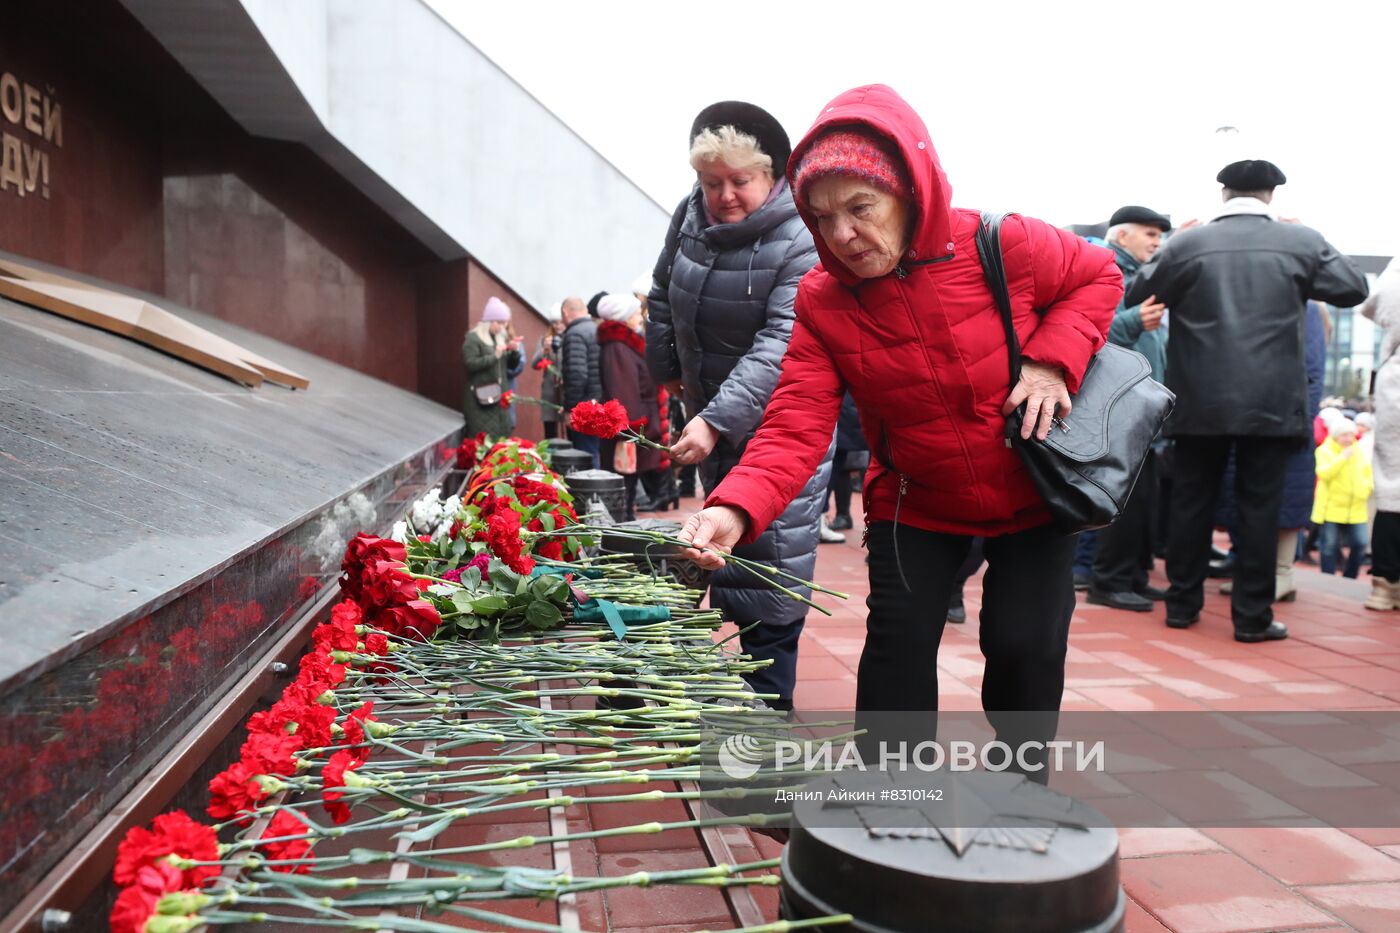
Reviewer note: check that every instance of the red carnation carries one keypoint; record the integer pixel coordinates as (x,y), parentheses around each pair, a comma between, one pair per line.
(377,643)
(503,538)
(507,397)
(297,714)
(317,669)
(137,904)
(333,776)
(604,421)
(286,823)
(234,791)
(355,729)
(174,834)
(270,754)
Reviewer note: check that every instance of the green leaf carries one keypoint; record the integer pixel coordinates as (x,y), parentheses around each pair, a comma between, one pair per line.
(444,547)
(547,520)
(501,576)
(489,605)
(471,578)
(542,615)
(459,547)
(462,601)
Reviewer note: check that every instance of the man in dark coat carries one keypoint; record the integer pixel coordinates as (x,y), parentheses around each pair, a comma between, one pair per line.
(1237,289)
(1125,548)
(579,365)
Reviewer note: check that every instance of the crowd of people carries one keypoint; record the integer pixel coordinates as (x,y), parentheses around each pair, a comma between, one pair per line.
(820,309)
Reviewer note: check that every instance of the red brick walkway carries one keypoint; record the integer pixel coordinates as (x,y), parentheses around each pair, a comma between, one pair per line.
(1338,657)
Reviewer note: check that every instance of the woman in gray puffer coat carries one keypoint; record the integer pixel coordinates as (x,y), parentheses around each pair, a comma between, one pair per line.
(721,316)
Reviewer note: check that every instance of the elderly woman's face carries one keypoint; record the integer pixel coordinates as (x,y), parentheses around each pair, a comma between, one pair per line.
(731,193)
(866,227)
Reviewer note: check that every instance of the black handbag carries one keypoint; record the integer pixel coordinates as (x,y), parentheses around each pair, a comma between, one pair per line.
(1085,469)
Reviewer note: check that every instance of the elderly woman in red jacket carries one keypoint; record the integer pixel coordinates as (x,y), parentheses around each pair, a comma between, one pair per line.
(898,313)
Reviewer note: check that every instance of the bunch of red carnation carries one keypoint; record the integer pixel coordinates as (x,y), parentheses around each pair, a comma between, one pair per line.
(606,420)
(151,863)
(507,397)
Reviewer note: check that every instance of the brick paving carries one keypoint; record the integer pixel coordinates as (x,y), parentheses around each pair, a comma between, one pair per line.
(1338,657)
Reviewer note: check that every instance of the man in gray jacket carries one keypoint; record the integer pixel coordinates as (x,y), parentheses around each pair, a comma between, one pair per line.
(578,362)
(1238,288)
(1124,548)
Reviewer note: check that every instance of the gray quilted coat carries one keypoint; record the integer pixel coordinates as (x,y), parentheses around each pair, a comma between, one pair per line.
(720,318)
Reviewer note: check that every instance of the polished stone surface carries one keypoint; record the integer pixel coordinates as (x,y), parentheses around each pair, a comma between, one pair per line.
(158,527)
(126,475)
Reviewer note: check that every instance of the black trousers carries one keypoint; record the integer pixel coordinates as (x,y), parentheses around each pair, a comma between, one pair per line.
(1385,546)
(1125,547)
(778,642)
(1027,602)
(1199,464)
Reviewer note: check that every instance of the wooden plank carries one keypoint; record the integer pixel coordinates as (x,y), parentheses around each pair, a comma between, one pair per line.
(142,321)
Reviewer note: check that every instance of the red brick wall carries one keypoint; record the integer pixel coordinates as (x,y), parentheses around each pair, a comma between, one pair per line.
(156,188)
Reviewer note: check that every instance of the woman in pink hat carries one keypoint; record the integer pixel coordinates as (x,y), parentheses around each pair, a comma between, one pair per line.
(488,353)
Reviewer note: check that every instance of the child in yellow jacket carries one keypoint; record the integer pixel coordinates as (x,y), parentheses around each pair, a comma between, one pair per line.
(1344,484)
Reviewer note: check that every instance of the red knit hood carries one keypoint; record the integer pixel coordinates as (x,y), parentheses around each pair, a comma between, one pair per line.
(879,109)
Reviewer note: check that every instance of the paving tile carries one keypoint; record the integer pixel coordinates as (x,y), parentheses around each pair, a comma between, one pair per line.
(642,906)
(1371,677)
(831,694)
(1151,696)
(1136,919)
(1143,842)
(1198,687)
(1364,906)
(1258,670)
(1210,797)
(1375,836)
(1309,856)
(1216,892)
(1292,774)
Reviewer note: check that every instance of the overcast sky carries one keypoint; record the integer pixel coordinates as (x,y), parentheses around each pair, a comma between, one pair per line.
(1057,110)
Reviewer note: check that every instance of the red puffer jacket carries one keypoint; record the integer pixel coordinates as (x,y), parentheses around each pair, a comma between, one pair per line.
(923,352)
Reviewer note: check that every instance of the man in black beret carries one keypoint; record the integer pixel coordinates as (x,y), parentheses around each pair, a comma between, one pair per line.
(1251,177)
(1238,289)
(1123,551)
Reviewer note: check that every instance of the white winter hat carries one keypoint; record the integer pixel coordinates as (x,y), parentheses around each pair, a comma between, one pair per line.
(555,312)
(641,285)
(618,308)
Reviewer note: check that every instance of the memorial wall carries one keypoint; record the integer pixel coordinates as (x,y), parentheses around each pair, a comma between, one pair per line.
(115,163)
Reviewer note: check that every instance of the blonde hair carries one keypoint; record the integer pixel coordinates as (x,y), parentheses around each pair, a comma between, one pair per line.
(733,147)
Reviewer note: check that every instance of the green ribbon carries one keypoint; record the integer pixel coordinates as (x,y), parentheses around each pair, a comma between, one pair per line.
(588,609)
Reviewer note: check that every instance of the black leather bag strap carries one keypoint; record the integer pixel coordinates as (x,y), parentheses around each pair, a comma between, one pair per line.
(994,271)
